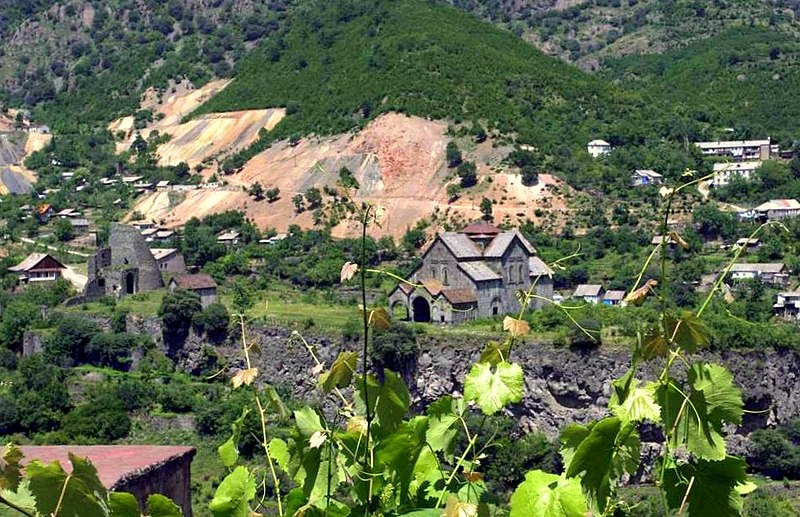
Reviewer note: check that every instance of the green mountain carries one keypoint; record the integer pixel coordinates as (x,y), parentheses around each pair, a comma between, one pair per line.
(339,63)
(747,79)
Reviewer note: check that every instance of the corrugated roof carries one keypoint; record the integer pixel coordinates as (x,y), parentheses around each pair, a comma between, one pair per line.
(481,228)
(736,166)
(478,271)
(114,463)
(779,204)
(160,253)
(776,267)
(614,296)
(587,290)
(31,261)
(460,296)
(731,143)
(537,267)
(599,142)
(193,282)
(460,245)
(649,173)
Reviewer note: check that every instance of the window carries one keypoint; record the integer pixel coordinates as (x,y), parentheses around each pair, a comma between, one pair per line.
(433,273)
(444,276)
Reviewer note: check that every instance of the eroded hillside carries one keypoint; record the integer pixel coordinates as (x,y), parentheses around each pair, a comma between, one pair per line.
(399,162)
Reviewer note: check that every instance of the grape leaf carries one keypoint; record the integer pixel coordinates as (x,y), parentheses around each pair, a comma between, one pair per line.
(10,467)
(275,403)
(516,327)
(400,451)
(123,504)
(493,390)
(279,451)
(389,401)
(377,318)
(495,352)
(307,421)
(83,493)
(610,449)
(639,405)
(697,422)
(234,494)
(341,372)
(244,377)
(349,270)
(548,495)
(22,498)
(228,452)
(714,486)
(689,332)
(456,508)
(160,506)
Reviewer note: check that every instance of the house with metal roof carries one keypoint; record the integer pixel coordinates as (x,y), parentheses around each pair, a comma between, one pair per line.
(38,267)
(777,209)
(474,273)
(202,285)
(644,177)
(768,273)
(590,293)
(725,172)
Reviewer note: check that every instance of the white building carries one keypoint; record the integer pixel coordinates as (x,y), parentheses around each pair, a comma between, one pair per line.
(787,304)
(725,172)
(777,209)
(590,293)
(770,273)
(644,177)
(598,148)
(738,149)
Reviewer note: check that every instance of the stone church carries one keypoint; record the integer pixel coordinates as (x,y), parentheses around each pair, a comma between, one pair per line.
(471,274)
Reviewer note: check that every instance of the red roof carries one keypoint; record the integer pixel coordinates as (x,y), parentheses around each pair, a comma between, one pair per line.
(481,228)
(194,282)
(114,463)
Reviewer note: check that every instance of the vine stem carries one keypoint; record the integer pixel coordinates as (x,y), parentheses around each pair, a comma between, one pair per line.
(263,418)
(686,496)
(365,351)
(61,496)
(16,508)
(455,471)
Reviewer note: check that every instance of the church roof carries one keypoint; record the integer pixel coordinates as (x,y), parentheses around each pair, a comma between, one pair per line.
(481,228)
(460,296)
(460,245)
(537,267)
(500,244)
(478,271)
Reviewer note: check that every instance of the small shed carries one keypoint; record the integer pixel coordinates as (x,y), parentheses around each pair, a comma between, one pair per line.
(203,285)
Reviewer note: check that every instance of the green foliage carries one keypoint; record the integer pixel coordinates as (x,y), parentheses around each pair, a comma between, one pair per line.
(547,495)
(453,154)
(494,387)
(394,348)
(214,319)
(178,309)
(101,417)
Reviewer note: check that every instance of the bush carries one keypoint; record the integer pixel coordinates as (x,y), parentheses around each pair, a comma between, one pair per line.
(177,398)
(102,417)
(135,394)
(214,319)
(178,310)
(394,348)
(579,339)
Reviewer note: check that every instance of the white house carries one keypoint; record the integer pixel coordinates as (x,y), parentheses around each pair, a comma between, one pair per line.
(615,298)
(644,177)
(778,209)
(725,172)
(770,273)
(738,149)
(787,304)
(590,293)
(598,148)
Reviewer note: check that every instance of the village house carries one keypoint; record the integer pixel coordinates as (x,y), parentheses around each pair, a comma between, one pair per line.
(787,305)
(658,239)
(44,212)
(474,273)
(778,209)
(68,213)
(644,177)
(724,173)
(748,244)
(768,273)
(141,470)
(614,298)
(202,285)
(590,293)
(169,260)
(79,226)
(163,235)
(738,149)
(143,225)
(598,148)
(162,185)
(229,238)
(38,267)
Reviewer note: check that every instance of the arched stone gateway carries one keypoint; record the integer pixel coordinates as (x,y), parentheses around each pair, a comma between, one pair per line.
(130,283)
(399,311)
(422,309)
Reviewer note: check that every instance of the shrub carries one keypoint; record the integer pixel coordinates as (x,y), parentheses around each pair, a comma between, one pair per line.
(579,339)
(394,348)
(177,398)
(101,417)
(214,319)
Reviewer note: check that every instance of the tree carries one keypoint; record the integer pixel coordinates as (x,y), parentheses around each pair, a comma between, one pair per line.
(486,209)
(468,174)
(139,145)
(453,190)
(529,175)
(314,197)
(181,170)
(273,194)
(347,179)
(257,191)
(711,222)
(299,205)
(242,296)
(177,311)
(453,155)
(414,239)
(214,319)
(63,230)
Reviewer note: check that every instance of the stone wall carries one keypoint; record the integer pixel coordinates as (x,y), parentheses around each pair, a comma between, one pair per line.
(171,478)
(128,248)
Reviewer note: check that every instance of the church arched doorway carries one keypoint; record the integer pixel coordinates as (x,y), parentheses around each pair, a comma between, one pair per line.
(422,310)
